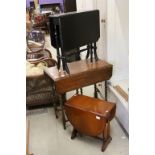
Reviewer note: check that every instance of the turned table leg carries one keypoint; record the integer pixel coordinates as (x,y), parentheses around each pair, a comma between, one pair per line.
(63,113)
(95,91)
(54,102)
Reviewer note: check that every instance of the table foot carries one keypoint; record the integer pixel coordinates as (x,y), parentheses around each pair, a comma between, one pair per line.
(105,143)
(74,133)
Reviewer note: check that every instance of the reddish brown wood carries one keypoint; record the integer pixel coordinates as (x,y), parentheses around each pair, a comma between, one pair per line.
(90,116)
(106,136)
(82,73)
(95,106)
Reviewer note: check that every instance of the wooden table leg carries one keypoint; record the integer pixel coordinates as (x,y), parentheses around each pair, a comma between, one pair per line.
(77,91)
(95,91)
(74,133)
(106,136)
(63,113)
(81,91)
(54,102)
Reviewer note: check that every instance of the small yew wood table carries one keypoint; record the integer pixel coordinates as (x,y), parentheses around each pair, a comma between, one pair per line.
(82,73)
(90,116)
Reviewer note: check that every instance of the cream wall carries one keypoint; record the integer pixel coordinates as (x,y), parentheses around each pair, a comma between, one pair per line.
(116,32)
(118,37)
(84,4)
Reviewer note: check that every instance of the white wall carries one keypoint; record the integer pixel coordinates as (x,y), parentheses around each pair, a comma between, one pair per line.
(117,37)
(116,50)
(100,5)
(84,4)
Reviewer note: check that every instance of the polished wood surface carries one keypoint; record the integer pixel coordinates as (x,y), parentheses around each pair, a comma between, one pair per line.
(85,121)
(90,116)
(93,105)
(82,73)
